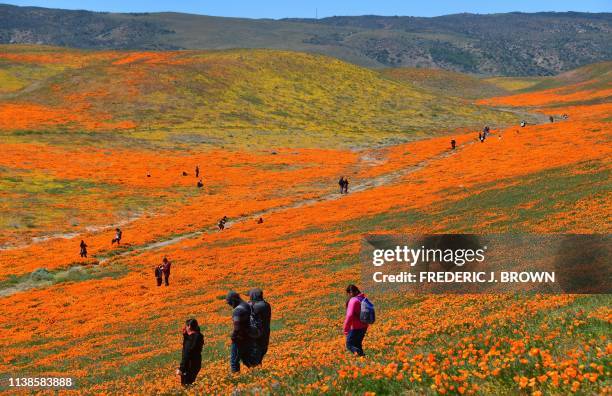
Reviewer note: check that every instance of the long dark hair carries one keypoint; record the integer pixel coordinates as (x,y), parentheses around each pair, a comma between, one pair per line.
(353,291)
(192,324)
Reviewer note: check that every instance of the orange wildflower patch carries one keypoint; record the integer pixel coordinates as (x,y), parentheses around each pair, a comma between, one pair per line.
(31,116)
(152,58)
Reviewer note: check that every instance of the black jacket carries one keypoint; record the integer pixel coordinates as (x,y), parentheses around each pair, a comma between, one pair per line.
(192,349)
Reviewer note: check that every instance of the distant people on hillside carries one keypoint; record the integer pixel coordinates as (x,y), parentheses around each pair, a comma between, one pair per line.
(260,220)
(359,314)
(343,183)
(200,183)
(481,137)
(158,271)
(565,116)
(118,236)
(453,144)
(243,348)
(83,246)
(523,124)
(486,131)
(191,358)
(184,173)
(262,311)
(166,264)
(197,171)
(221,223)
(551,118)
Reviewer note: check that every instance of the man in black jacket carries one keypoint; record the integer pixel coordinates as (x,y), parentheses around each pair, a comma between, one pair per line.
(263,312)
(242,345)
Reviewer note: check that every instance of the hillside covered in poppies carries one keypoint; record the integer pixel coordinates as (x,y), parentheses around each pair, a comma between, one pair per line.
(94,140)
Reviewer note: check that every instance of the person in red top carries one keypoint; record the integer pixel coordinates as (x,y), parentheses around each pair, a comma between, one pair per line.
(354,328)
(166,270)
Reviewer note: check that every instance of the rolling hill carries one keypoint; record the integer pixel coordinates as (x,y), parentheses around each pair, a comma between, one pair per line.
(446,83)
(514,44)
(236,97)
(590,84)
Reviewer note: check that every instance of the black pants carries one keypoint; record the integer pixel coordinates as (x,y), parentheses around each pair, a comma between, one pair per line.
(262,349)
(191,372)
(159,281)
(166,276)
(83,253)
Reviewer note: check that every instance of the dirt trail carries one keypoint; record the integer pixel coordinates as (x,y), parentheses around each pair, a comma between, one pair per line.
(70,235)
(32,282)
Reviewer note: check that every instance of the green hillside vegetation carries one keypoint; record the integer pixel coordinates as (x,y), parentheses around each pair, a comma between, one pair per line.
(446,83)
(588,77)
(510,44)
(243,97)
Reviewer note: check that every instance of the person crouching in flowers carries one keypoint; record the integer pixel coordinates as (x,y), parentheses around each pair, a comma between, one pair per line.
(354,328)
(191,360)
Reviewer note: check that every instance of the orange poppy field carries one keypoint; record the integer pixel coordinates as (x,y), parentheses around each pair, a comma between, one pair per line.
(94,140)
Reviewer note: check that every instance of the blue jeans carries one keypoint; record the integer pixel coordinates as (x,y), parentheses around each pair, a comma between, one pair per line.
(354,341)
(244,352)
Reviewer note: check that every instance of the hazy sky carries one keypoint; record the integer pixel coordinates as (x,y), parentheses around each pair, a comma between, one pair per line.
(297,8)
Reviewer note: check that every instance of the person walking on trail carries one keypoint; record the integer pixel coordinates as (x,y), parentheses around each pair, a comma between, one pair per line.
(118,235)
(354,328)
(453,144)
(197,171)
(158,274)
(263,312)
(346,183)
(243,348)
(260,220)
(221,223)
(485,132)
(166,264)
(551,118)
(191,358)
(341,184)
(83,246)
(200,183)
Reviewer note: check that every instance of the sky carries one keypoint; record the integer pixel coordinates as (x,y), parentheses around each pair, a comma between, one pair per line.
(323,8)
